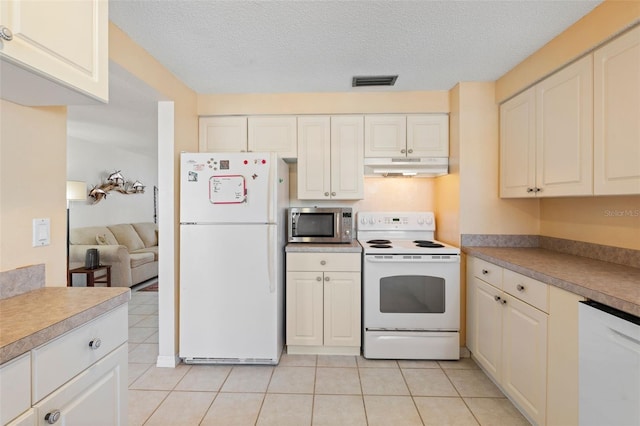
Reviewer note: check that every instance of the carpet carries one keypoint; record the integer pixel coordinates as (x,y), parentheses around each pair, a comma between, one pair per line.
(152,287)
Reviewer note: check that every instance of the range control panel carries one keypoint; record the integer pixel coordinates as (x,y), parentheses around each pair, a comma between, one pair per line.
(398,221)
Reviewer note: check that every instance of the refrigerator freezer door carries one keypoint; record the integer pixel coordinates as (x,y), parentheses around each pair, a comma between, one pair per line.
(228,187)
(228,304)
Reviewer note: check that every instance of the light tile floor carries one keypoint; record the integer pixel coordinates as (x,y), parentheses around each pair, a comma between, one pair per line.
(305,389)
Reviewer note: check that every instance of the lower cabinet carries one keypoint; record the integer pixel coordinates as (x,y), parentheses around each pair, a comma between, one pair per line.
(510,334)
(524,335)
(79,378)
(323,303)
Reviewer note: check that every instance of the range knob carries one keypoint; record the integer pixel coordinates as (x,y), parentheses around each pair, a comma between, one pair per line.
(363,220)
(429,220)
(372,220)
(420,220)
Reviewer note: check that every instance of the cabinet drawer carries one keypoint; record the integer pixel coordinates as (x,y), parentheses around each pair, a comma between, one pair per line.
(527,289)
(323,262)
(488,272)
(15,388)
(60,360)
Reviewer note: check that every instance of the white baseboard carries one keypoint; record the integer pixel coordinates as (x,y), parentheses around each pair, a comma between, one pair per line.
(167,361)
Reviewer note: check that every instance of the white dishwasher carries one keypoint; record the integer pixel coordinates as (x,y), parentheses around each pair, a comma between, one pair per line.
(609,366)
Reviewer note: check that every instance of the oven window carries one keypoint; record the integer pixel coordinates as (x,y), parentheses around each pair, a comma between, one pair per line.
(412,294)
(315,225)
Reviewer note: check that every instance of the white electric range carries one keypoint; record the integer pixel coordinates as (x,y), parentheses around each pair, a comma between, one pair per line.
(411,288)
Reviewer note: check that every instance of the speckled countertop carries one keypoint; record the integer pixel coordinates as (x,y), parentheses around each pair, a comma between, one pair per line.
(352,247)
(33,318)
(612,284)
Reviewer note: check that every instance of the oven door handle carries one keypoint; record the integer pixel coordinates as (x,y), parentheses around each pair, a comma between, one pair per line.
(413,259)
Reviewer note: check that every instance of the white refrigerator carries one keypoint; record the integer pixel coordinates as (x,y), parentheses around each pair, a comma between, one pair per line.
(232,237)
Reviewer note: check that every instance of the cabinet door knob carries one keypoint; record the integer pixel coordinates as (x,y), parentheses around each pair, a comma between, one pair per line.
(326,278)
(496,298)
(410,151)
(95,343)
(318,278)
(333,194)
(530,190)
(503,301)
(323,262)
(485,272)
(326,194)
(538,189)
(5,33)
(402,151)
(520,287)
(52,416)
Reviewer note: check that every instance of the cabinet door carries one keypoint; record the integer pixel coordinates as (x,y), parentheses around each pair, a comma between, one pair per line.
(347,159)
(471,306)
(524,357)
(314,158)
(342,309)
(223,134)
(63,41)
(273,134)
(488,327)
(97,396)
(304,308)
(15,387)
(518,146)
(616,118)
(564,131)
(385,135)
(428,135)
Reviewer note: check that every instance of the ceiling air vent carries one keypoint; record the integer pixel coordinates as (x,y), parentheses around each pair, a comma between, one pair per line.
(374,80)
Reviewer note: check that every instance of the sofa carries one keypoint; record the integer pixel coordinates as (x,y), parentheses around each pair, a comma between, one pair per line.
(130,248)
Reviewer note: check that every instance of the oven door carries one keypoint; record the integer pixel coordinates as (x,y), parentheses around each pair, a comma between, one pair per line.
(411,292)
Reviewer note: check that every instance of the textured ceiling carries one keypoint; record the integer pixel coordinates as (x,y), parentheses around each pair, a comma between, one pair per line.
(317,46)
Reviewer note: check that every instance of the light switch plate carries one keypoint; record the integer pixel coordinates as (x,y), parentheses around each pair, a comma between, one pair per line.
(41,232)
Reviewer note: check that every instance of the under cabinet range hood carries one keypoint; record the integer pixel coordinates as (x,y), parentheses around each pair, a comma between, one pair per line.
(406,167)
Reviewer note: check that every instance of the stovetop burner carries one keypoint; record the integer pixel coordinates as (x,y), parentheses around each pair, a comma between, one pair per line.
(380,245)
(427,244)
(378,242)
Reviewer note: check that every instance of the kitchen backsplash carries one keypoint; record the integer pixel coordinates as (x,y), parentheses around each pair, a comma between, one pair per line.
(621,256)
(21,280)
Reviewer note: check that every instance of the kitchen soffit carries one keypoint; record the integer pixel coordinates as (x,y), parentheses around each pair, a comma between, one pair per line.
(317,46)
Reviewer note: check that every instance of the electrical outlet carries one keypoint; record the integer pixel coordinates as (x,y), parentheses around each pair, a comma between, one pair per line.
(41,232)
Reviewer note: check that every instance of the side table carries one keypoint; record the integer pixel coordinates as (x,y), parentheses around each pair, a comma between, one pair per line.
(90,273)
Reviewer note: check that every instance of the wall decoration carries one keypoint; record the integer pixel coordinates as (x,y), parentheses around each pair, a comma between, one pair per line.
(115,182)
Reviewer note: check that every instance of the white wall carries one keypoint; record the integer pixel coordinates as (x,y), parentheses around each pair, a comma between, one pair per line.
(92,163)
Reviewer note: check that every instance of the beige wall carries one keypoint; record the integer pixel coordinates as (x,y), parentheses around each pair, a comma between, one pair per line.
(324,103)
(613,221)
(33,171)
(604,22)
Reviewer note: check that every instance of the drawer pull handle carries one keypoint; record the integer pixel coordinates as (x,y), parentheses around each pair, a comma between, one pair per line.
(323,262)
(520,287)
(52,416)
(5,33)
(95,343)
(485,272)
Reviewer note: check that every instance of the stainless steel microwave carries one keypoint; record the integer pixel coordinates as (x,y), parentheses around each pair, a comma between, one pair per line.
(320,225)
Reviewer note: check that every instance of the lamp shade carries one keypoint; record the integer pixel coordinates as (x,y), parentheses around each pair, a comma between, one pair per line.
(76,190)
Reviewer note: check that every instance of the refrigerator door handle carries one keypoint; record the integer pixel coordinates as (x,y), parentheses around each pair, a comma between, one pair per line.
(270,191)
(271,252)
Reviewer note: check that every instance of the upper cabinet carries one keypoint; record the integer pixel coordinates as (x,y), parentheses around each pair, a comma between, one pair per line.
(273,133)
(546,136)
(223,134)
(413,136)
(54,52)
(330,158)
(616,124)
(249,134)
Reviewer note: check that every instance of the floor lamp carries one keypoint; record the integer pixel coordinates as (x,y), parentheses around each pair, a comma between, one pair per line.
(76,191)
